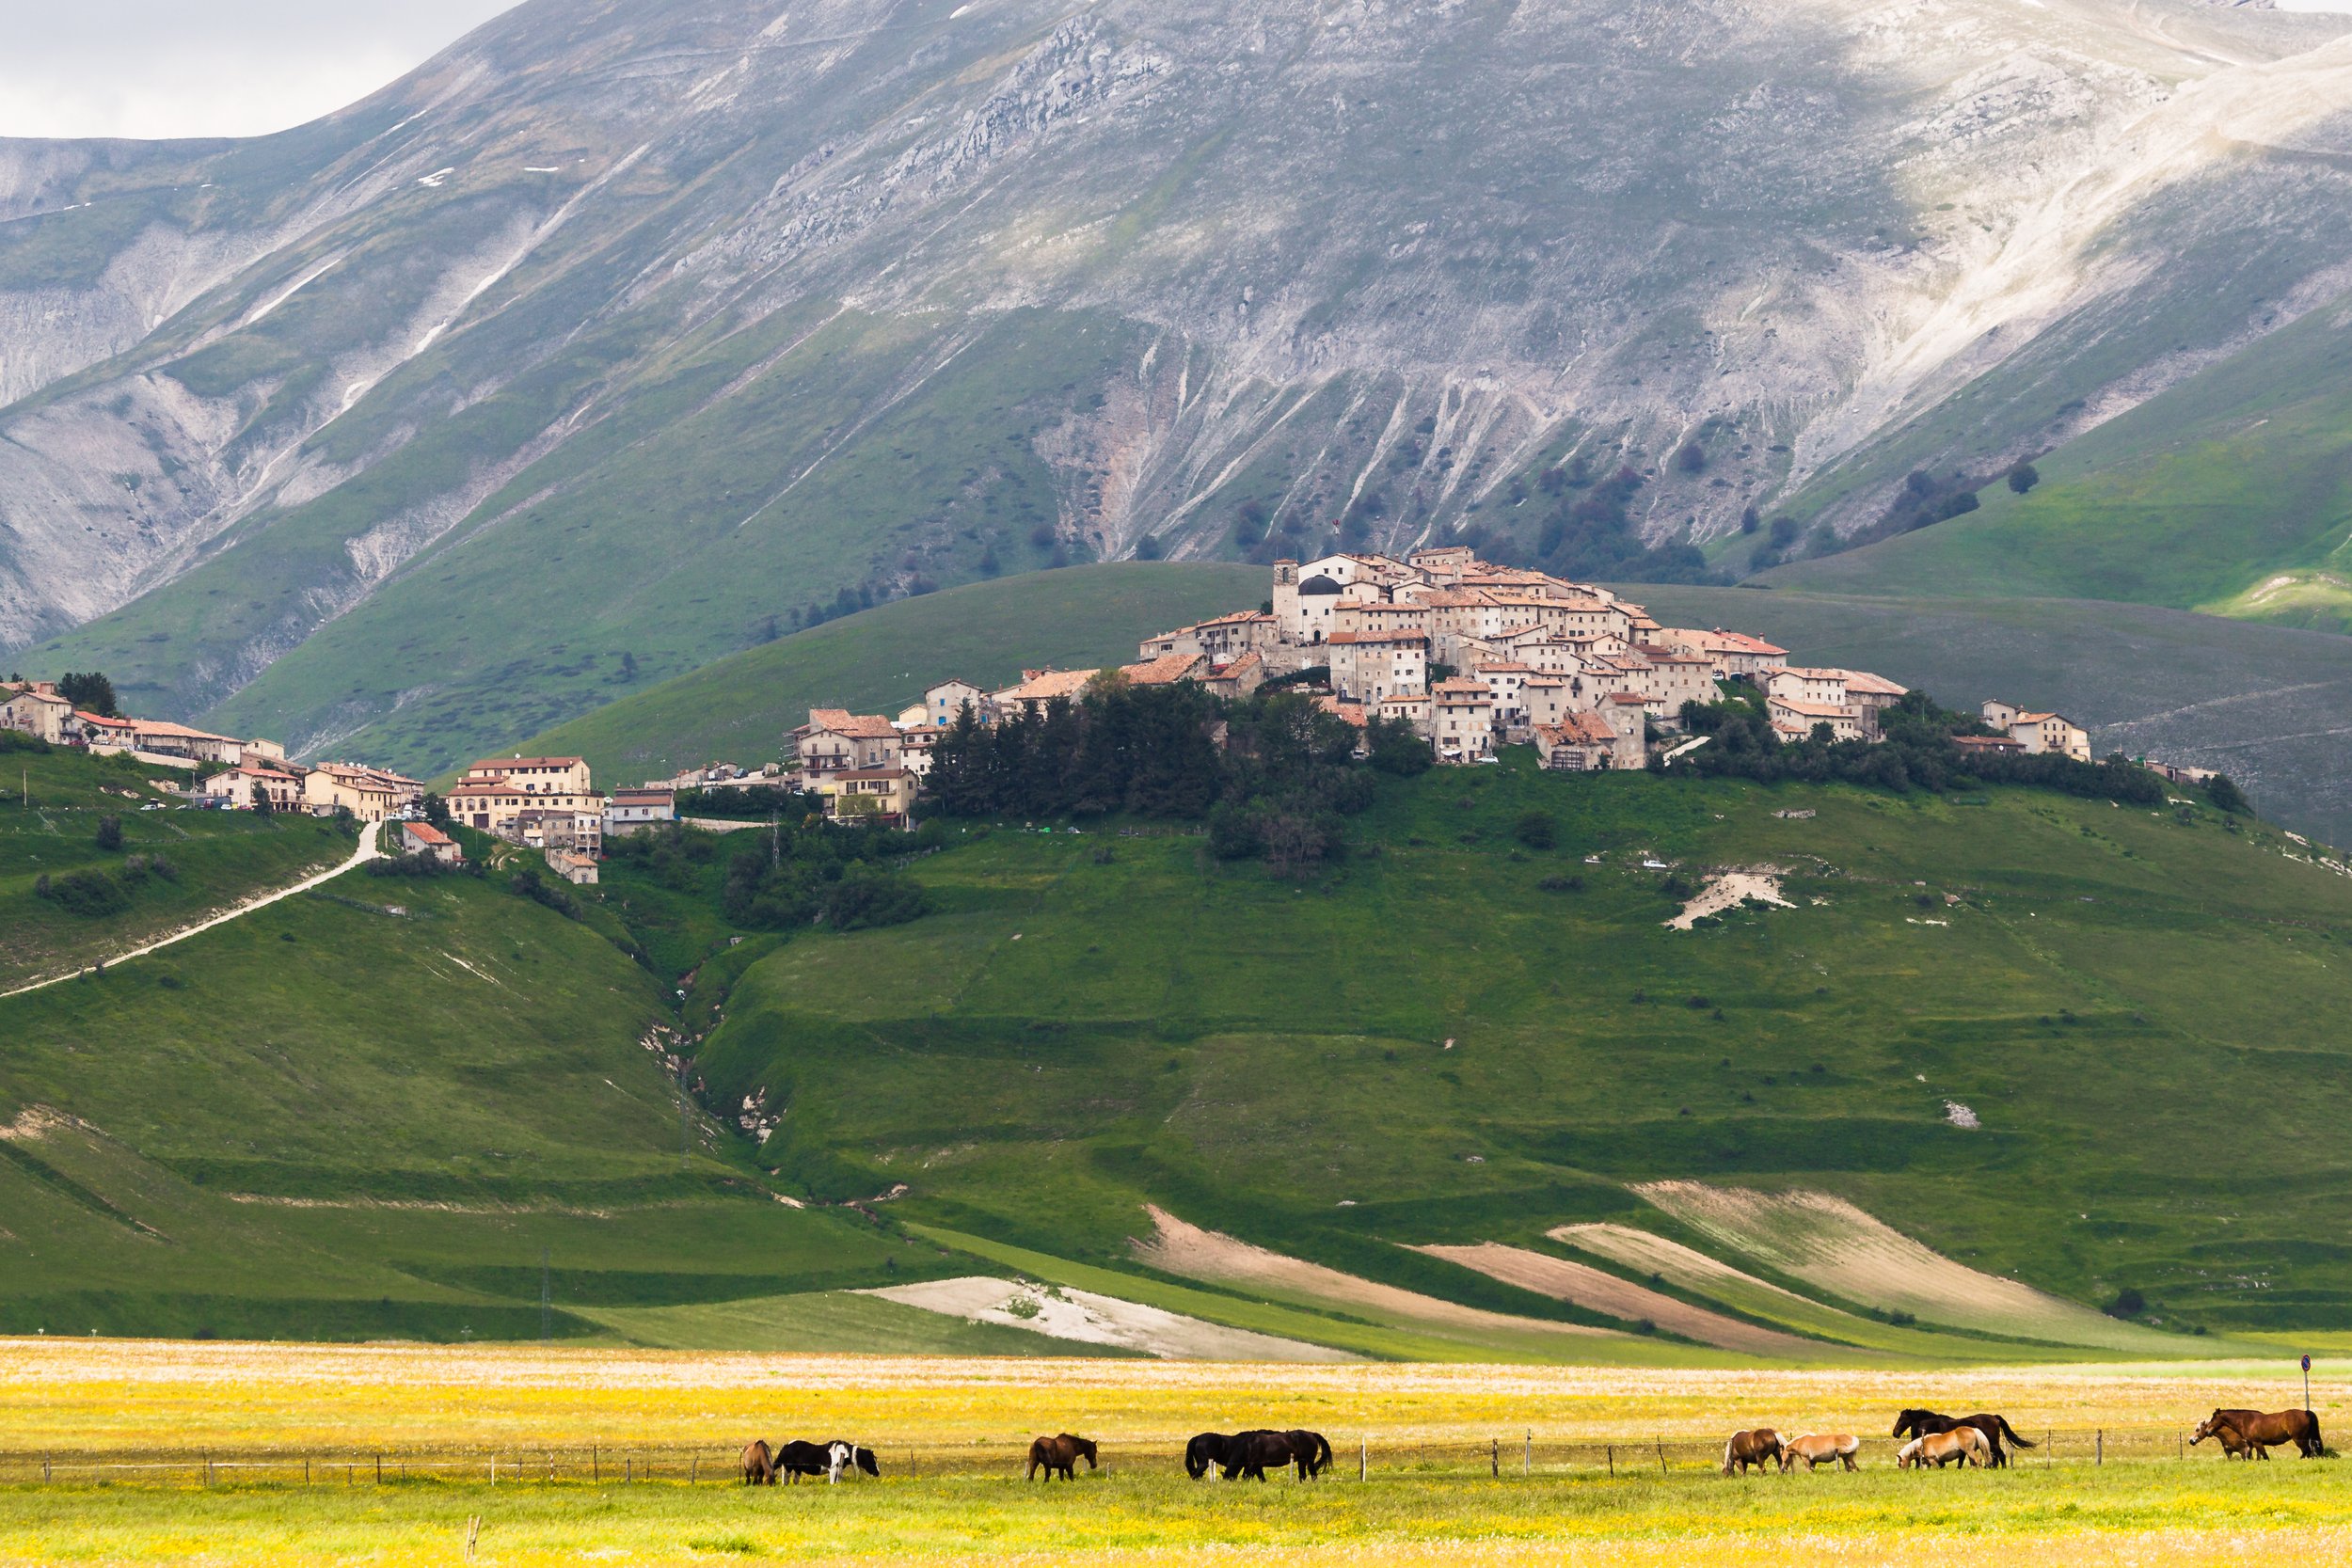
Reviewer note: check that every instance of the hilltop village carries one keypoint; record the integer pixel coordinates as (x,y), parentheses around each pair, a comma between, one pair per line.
(1467,654)
(1470,654)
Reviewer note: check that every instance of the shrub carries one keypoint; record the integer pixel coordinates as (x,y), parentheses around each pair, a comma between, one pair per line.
(2024,477)
(90,894)
(2128,1303)
(869,895)
(1562,884)
(110,832)
(1536,830)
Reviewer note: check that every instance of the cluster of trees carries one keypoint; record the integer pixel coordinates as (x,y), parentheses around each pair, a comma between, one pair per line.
(798,873)
(1916,751)
(1279,787)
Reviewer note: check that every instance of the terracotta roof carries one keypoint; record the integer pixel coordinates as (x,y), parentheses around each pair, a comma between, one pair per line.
(1508,670)
(1812,710)
(645,794)
(1740,641)
(1874,684)
(1362,637)
(852,726)
(1165,670)
(1039,684)
(1352,712)
(1239,667)
(37,696)
(1238,617)
(873,773)
(1462,686)
(425,833)
(1987,743)
(1415,697)
(179,731)
(501,765)
(103,722)
(1627,697)
(1578,729)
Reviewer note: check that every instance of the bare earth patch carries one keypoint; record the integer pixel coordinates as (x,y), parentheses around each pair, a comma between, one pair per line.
(1581,1285)
(1729,890)
(1826,1240)
(1098,1319)
(1197,1253)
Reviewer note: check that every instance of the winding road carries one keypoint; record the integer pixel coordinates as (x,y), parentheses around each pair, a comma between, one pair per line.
(361,856)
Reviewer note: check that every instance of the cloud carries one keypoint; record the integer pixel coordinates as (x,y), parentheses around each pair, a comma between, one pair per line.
(223,67)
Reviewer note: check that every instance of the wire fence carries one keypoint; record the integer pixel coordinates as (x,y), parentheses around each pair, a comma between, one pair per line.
(1525,1454)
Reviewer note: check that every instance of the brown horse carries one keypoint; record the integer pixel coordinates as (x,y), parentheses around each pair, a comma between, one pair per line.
(1964,1445)
(1060,1456)
(1759,1448)
(1819,1449)
(1920,1423)
(2257,1432)
(759,1466)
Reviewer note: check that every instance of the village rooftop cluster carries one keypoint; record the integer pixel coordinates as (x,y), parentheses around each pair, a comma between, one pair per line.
(1470,655)
(545,803)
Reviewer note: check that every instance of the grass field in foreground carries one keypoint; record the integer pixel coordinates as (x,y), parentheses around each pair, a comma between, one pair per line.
(75,1394)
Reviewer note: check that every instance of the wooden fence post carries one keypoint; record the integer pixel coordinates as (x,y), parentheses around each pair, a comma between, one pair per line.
(1662,1456)
(44,1469)
(2099,1449)
(1494,1460)
(595,1465)
(379,1470)
(1363,1459)
(306,1472)
(694,1471)
(1526,1459)
(1613,1461)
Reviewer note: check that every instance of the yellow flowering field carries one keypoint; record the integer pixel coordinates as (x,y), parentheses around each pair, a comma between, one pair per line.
(130,1400)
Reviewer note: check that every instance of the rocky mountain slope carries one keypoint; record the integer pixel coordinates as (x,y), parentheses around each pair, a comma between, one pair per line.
(626,334)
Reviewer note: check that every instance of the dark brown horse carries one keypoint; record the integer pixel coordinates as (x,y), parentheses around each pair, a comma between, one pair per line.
(759,1466)
(1248,1455)
(1927,1423)
(1060,1456)
(1759,1448)
(2257,1432)
(1309,1450)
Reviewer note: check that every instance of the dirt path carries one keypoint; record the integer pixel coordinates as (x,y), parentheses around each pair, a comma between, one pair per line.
(1729,890)
(361,856)
(1596,1290)
(1197,1253)
(1084,1317)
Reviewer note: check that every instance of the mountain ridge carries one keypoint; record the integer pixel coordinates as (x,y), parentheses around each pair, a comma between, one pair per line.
(688,288)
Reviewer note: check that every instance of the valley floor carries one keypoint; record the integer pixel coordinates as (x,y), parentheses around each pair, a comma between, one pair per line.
(1466,1464)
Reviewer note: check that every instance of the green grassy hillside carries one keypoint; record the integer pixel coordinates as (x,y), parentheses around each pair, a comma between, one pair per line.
(880,660)
(173,868)
(374,1110)
(1455,1039)
(2231,493)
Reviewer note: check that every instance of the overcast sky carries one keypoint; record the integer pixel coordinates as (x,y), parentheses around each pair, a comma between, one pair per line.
(209,68)
(222,68)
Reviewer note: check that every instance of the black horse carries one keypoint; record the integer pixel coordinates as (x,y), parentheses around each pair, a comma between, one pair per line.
(830,1459)
(1209,1452)
(1310,1450)
(1923,1423)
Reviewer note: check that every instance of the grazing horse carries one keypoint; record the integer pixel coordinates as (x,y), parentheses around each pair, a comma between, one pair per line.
(2257,1432)
(1310,1450)
(797,1459)
(759,1466)
(1207,1452)
(1964,1443)
(1819,1449)
(1759,1448)
(1060,1456)
(1248,1455)
(1922,1423)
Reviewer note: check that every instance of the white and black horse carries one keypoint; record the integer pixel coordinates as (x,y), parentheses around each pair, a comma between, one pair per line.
(830,1459)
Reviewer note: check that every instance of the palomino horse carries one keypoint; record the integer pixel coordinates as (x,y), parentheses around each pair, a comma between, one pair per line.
(1060,1456)
(1964,1445)
(2258,1430)
(759,1466)
(1819,1449)
(1920,1423)
(1759,1448)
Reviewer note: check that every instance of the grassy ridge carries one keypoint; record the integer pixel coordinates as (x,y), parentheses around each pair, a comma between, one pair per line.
(376,1108)
(2104,987)
(2238,477)
(210,858)
(880,660)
